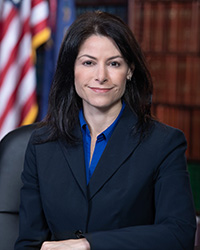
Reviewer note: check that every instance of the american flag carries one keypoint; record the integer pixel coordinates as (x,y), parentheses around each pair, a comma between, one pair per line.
(23,28)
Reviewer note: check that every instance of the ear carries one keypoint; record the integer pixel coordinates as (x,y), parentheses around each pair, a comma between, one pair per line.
(130,72)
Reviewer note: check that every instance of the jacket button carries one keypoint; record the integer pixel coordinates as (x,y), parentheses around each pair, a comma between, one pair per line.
(79,234)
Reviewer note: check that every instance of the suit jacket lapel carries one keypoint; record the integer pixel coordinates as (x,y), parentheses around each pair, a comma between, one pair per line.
(119,147)
(74,155)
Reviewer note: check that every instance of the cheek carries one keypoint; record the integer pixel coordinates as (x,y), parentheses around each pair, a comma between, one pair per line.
(120,78)
(78,88)
(122,85)
(77,85)
(77,81)
(81,77)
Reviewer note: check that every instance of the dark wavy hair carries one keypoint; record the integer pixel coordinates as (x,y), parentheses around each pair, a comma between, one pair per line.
(64,103)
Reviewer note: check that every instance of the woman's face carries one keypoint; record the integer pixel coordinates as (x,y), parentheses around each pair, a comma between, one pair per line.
(100,73)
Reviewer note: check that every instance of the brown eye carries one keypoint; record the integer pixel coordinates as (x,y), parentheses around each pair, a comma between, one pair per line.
(88,63)
(114,64)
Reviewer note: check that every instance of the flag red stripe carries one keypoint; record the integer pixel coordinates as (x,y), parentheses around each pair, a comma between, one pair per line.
(13,53)
(39,27)
(13,97)
(5,23)
(36,2)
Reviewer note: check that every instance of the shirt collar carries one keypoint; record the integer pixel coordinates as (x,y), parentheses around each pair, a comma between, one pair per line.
(82,119)
(107,132)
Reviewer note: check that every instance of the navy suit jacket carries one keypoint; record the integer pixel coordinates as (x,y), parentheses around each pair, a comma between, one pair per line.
(139,196)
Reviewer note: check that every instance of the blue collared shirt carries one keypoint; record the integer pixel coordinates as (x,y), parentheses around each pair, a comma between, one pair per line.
(101,142)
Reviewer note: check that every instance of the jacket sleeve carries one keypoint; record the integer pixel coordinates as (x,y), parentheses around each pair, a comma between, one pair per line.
(33,230)
(175,224)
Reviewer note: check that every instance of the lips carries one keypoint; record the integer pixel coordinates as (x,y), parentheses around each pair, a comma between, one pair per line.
(100,90)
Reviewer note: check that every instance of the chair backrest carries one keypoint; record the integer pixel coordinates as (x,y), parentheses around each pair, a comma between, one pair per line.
(12,151)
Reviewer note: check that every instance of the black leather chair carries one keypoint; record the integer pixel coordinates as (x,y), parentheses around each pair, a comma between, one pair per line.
(12,151)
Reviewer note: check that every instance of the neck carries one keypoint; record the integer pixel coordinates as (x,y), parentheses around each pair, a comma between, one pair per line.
(98,120)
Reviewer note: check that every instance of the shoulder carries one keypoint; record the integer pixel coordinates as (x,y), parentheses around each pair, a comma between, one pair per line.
(157,132)
(39,134)
(40,149)
(38,142)
(166,133)
(164,140)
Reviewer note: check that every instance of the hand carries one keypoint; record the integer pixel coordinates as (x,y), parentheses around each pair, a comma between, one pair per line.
(79,244)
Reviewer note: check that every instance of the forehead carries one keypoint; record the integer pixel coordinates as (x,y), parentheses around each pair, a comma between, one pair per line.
(98,42)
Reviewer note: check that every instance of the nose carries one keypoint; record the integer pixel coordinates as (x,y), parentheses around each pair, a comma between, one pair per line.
(101,74)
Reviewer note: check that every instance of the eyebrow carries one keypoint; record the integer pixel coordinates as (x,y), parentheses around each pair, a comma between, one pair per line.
(94,58)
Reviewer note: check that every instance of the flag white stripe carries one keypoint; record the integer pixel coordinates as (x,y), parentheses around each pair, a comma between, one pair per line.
(7,7)
(12,75)
(39,13)
(8,87)
(25,89)
(13,117)
(9,42)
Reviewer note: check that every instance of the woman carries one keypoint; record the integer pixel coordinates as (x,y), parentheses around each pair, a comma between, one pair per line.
(100,173)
